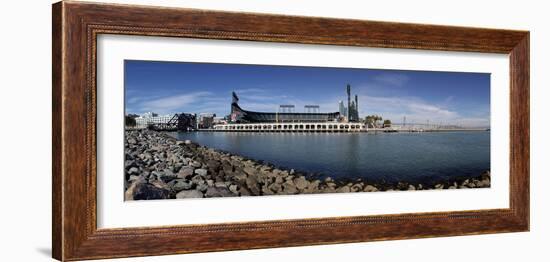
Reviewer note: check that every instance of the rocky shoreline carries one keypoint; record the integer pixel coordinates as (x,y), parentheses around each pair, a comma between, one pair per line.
(158,166)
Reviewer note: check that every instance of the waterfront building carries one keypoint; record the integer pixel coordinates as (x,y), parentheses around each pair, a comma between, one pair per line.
(239,115)
(149,115)
(309,127)
(151,118)
(285,113)
(206,120)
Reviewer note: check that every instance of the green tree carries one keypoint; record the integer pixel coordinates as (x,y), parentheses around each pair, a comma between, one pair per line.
(387,123)
(372,120)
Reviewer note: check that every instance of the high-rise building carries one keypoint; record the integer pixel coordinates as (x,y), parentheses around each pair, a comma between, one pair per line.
(353,107)
(348,89)
(342,109)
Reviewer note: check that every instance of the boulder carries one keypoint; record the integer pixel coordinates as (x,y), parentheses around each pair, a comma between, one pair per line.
(485,182)
(213,165)
(289,188)
(220,184)
(244,192)
(250,170)
(234,189)
(275,187)
(218,192)
(301,183)
(313,186)
(201,172)
(179,185)
(133,178)
(369,188)
(186,171)
(202,187)
(133,171)
(266,190)
(344,189)
(279,180)
(356,187)
(140,190)
(195,164)
(252,184)
(189,194)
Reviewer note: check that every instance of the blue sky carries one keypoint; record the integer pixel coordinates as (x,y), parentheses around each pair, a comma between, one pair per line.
(440,97)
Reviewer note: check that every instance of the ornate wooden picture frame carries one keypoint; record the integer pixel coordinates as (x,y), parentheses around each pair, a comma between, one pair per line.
(76,26)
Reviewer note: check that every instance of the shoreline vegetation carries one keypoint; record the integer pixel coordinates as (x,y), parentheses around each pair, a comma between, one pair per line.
(157,166)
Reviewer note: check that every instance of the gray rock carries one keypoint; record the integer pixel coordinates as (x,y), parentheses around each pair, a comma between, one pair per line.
(244,192)
(252,184)
(250,170)
(140,190)
(133,171)
(201,172)
(485,183)
(196,164)
(369,188)
(266,190)
(411,188)
(289,188)
(344,189)
(275,187)
(133,178)
(180,184)
(301,183)
(167,175)
(240,177)
(129,163)
(313,186)
(213,165)
(186,172)
(279,180)
(356,187)
(202,187)
(189,194)
(283,173)
(218,192)
(220,184)
(234,189)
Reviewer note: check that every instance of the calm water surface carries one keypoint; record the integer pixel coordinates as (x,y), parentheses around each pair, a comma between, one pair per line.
(412,157)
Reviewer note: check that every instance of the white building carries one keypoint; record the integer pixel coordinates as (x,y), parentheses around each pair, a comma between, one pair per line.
(152,118)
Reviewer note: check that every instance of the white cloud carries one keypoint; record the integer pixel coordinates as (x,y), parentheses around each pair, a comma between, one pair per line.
(416,111)
(394,79)
(173,103)
(389,107)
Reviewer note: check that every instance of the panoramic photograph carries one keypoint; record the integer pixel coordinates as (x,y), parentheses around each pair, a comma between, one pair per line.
(204,130)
